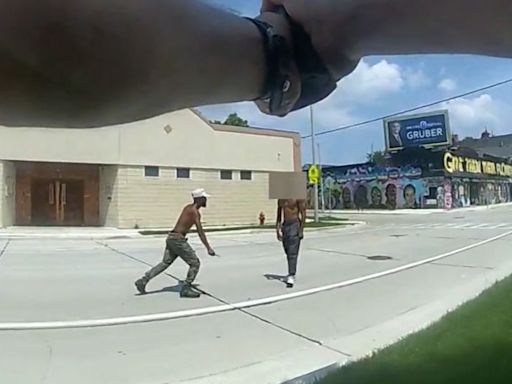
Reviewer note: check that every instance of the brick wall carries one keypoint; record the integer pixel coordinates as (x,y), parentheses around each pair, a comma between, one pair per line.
(108,186)
(157,201)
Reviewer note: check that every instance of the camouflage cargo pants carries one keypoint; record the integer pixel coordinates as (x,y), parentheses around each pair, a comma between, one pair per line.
(176,246)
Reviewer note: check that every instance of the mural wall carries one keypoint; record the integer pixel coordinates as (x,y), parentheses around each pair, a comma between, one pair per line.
(369,187)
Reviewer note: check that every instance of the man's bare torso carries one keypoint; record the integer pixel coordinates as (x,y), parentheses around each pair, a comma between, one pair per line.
(290,208)
(187,219)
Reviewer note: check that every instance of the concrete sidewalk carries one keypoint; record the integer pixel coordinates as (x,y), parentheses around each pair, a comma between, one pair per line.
(67,233)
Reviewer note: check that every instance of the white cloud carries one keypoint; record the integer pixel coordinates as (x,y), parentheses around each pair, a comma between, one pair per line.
(470,116)
(447,85)
(372,81)
(416,78)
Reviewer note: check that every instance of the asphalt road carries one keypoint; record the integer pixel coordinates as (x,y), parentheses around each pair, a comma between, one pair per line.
(69,312)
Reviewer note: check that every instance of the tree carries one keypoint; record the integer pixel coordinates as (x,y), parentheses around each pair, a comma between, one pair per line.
(376,157)
(234,119)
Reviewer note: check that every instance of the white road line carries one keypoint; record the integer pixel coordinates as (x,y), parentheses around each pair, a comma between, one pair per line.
(480,226)
(17,326)
(467,225)
(499,226)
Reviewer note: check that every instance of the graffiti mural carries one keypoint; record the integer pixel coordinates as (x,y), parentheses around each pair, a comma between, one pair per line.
(461,194)
(447,194)
(369,187)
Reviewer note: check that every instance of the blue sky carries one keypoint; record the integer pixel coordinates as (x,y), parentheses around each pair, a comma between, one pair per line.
(387,84)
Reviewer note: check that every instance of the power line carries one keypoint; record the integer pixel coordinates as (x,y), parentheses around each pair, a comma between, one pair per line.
(376,119)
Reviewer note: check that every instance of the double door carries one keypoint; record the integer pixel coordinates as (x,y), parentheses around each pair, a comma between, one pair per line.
(57,202)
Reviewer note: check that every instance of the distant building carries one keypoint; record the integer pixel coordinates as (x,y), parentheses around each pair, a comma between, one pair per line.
(140,174)
(448,174)
(499,146)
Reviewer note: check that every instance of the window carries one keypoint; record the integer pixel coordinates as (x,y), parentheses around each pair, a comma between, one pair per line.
(226,175)
(150,171)
(245,175)
(183,173)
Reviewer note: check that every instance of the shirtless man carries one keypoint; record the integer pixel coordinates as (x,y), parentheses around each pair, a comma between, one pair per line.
(291,216)
(177,246)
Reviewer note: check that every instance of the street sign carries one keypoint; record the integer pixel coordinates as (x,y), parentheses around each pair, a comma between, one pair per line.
(313,174)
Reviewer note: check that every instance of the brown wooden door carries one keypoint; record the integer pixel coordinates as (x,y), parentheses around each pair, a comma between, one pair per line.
(71,202)
(57,202)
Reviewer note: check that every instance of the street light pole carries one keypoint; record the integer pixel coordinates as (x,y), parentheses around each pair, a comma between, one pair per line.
(313,150)
(322,193)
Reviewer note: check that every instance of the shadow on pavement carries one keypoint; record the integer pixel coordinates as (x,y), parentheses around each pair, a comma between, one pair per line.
(173,289)
(271,276)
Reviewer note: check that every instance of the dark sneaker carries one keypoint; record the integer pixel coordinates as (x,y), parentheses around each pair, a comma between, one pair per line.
(188,292)
(141,286)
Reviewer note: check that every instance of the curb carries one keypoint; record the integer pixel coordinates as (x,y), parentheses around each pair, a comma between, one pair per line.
(315,376)
(136,235)
(337,225)
(70,236)
(414,212)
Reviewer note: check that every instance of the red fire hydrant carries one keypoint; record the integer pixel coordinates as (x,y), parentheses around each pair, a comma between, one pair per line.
(262,218)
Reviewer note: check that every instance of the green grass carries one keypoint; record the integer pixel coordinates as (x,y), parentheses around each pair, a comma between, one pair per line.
(470,345)
(330,218)
(322,224)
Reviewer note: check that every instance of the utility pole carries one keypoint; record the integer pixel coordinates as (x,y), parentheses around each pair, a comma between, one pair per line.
(322,193)
(313,150)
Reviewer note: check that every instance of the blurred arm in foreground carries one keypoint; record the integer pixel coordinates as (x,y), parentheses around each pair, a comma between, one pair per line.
(80,63)
(75,63)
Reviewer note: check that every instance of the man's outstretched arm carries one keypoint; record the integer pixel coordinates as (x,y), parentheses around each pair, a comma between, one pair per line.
(77,63)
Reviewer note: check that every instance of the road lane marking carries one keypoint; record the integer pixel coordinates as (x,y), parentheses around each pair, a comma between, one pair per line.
(467,225)
(91,323)
(499,226)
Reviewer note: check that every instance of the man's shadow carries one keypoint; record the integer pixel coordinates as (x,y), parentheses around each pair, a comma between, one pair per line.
(273,277)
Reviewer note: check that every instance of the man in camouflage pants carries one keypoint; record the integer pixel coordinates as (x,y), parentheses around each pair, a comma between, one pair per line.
(176,245)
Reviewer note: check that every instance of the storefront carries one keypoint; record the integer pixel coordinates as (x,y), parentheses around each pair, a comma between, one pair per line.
(444,180)
(476,181)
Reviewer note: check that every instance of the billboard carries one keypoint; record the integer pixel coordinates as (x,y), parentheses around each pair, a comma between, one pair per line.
(428,129)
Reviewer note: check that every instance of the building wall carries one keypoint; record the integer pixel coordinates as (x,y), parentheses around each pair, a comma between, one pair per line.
(180,139)
(7,190)
(175,139)
(108,196)
(157,201)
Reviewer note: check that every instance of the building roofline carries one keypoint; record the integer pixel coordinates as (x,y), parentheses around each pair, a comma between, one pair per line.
(247,130)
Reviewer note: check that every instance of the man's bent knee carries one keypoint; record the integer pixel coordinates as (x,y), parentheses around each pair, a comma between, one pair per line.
(193,262)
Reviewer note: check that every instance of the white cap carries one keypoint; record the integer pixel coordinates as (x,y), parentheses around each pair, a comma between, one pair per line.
(200,192)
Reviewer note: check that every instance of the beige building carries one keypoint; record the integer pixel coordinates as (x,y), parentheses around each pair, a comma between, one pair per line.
(140,174)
